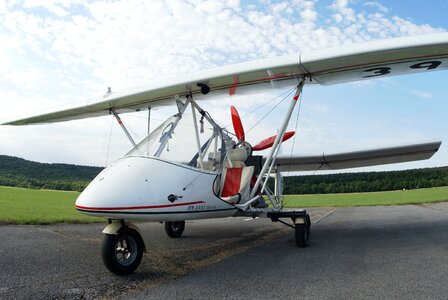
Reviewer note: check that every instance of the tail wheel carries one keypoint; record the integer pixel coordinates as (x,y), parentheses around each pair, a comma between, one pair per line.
(308,226)
(122,253)
(301,235)
(174,229)
(302,232)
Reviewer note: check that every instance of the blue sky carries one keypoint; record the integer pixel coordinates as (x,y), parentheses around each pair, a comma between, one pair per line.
(57,54)
(430,12)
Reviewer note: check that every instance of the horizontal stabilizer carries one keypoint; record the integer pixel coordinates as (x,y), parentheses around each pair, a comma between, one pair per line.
(365,158)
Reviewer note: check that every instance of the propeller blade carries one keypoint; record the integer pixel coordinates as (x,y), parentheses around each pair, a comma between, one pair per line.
(268,142)
(237,125)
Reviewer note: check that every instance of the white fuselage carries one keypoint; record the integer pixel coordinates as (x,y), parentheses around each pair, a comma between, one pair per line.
(136,187)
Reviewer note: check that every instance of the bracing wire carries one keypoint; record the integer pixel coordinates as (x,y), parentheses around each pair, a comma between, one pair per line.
(109,141)
(135,134)
(294,137)
(272,109)
(266,103)
(299,109)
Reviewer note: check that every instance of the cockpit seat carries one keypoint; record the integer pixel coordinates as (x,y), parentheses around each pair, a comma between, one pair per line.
(235,183)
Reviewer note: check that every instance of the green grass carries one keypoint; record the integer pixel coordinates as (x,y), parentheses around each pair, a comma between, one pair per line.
(369,199)
(29,206)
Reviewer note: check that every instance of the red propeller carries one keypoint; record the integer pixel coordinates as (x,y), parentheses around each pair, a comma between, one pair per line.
(237,125)
(268,142)
(239,132)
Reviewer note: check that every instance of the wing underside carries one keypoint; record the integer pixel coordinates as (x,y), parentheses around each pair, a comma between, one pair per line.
(364,158)
(330,66)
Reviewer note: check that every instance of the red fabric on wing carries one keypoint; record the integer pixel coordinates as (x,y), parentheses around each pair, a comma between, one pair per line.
(232,182)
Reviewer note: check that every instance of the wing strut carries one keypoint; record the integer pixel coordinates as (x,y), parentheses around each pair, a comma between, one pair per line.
(123,127)
(149,119)
(270,160)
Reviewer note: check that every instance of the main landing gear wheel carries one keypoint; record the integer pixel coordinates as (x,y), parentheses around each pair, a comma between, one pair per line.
(122,253)
(302,232)
(174,229)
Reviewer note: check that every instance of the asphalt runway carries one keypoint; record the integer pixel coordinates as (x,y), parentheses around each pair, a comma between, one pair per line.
(365,252)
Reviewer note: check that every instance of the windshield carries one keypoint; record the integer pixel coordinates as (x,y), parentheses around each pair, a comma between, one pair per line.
(175,140)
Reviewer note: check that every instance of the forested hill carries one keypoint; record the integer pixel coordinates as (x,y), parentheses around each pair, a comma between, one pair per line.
(366,182)
(19,172)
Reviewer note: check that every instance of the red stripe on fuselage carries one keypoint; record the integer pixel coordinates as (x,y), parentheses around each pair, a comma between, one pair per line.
(138,207)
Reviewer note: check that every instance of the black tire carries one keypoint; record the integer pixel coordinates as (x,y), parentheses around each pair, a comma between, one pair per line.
(174,229)
(122,253)
(301,232)
(308,226)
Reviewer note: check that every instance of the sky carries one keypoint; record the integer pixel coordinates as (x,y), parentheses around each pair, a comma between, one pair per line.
(58,54)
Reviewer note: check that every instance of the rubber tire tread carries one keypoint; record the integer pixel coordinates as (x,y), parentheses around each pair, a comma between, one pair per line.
(169,229)
(108,253)
(308,226)
(300,234)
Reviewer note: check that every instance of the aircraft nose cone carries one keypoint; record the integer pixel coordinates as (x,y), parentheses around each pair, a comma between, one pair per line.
(125,183)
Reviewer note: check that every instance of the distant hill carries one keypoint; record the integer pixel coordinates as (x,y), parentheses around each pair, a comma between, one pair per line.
(15,171)
(19,172)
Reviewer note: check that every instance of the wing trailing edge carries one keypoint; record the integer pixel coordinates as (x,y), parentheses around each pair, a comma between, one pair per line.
(357,159)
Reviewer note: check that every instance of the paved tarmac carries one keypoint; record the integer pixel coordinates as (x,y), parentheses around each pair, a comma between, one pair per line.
(365,252)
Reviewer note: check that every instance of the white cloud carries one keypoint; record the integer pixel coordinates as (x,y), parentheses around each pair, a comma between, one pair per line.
(377,5)
(56,53)
(422,94)
(341,7)
(308,15)
(338,18)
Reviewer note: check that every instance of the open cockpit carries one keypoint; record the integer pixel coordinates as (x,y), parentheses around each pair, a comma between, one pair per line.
(194,140)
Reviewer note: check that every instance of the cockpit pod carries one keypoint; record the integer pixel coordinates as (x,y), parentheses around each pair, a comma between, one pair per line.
(168,175)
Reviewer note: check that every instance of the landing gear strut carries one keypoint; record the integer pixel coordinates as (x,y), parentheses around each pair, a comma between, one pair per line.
(122,252)
(302,224)
(174,229)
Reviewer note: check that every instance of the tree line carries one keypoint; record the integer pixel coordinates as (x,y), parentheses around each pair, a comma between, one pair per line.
(18,172)
(367,181)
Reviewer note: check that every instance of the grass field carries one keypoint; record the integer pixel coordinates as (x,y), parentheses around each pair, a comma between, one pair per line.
(27,206)
(365,199)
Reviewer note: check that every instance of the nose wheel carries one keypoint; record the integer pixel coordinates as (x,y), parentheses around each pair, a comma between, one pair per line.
(122,252)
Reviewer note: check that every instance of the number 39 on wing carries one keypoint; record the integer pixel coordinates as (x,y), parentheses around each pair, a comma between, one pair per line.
(431,65)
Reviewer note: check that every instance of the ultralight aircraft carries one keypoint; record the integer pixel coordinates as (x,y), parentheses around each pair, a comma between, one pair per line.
(218,173)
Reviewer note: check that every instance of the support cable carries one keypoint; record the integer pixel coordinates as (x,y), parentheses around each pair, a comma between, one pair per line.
(109,141)
(270,159)
(295,129)
(299,109)
(288,92)
(272,109)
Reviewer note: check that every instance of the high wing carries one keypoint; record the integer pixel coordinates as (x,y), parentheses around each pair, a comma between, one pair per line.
(330,66)
(365,158)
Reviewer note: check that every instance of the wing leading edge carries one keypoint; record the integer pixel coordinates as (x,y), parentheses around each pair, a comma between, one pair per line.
(329,66)
(364,158)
